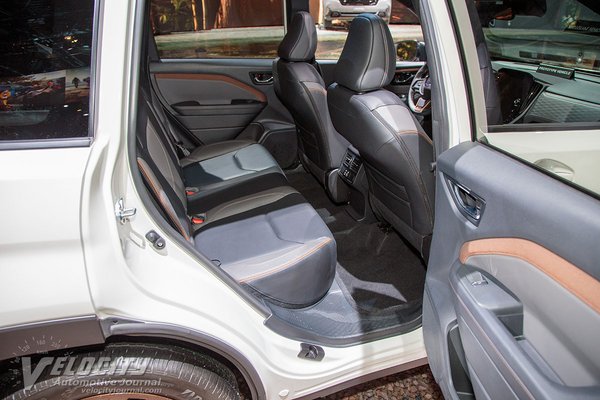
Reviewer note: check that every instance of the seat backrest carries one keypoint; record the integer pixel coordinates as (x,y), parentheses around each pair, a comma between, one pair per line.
(396,152)
(301,89)
(159,166)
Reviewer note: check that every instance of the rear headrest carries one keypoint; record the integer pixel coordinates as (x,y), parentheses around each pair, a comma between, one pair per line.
(368,61)
(300,41)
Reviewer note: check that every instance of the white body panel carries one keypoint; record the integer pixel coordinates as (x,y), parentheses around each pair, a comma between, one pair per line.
(41,260)
(577,151)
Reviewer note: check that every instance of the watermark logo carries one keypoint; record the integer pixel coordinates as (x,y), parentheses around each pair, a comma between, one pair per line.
(85,367)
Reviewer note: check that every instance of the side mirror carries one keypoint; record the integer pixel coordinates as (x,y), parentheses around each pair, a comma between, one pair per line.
(410,50)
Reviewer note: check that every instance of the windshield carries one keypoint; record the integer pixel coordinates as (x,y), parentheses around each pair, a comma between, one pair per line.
(558,32)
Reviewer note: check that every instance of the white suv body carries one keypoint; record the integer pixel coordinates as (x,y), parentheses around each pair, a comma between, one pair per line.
(75,271)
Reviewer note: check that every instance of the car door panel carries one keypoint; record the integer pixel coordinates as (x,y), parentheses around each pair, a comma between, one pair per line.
(227,99)
(522,286)
(213,107)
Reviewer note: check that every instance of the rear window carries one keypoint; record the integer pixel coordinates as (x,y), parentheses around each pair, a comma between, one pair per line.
(205,29)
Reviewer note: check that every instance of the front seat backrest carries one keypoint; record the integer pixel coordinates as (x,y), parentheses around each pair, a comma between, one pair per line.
(396,152)
(301,89)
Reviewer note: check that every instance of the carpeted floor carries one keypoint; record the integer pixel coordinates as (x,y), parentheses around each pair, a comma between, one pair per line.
(378,269)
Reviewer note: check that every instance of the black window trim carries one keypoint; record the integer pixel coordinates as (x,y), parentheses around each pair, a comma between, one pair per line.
(83,141)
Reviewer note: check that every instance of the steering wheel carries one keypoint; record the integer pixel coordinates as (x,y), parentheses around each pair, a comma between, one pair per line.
(419,93)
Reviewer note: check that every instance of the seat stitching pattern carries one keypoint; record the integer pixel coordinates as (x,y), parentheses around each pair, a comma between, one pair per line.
(319,118)
(224,210)
(297,39)
(241,166)
(169,167)
(416,172)
(366,68)
(286,265)
(387,61)
(412,164)
(219,155)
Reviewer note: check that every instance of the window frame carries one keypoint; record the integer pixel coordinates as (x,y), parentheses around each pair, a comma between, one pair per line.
(82,141)
(477,112)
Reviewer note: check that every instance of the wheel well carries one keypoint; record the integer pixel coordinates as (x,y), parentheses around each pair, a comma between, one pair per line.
(11,370)
(242,381)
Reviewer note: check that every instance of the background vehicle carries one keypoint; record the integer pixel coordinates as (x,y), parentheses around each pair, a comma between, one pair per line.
(343,11)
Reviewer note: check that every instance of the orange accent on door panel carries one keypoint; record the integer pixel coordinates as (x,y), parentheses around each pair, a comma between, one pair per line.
(260,96)
(579,283)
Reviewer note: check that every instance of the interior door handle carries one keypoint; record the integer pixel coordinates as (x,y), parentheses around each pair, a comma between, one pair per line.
(262,78)
(470,205)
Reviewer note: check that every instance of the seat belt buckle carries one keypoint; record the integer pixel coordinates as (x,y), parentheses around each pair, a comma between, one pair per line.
(190,191)
(185,152)
(198,219)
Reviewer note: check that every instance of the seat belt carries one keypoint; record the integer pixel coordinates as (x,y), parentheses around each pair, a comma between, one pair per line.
(160,197)
(166,126)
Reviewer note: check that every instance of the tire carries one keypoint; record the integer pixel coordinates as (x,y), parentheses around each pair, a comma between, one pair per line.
(134,371)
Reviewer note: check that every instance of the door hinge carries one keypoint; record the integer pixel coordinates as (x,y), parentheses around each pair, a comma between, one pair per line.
(123,214)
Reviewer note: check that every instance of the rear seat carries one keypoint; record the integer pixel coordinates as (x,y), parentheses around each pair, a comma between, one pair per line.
(217,172)
(269,239)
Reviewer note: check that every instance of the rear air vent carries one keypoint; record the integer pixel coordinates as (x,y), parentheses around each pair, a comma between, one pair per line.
(350,166)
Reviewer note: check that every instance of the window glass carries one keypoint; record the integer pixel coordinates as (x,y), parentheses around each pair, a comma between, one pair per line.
(542,90)
(217,28)
(334,16)
(45,68)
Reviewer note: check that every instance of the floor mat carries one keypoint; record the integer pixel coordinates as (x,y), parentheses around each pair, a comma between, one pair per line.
(378,269)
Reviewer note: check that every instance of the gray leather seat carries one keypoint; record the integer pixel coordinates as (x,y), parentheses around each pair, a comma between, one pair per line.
(217,172)
(269,240)
(302,90)
(396,152)
(222,171)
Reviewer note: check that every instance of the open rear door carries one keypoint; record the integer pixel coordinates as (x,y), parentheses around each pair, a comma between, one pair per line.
(512,296)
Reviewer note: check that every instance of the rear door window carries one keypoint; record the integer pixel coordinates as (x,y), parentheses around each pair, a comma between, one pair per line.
(545,56)
(204,29)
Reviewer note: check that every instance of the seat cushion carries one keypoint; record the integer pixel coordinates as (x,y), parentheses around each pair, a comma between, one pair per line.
(225,171)
(275,244)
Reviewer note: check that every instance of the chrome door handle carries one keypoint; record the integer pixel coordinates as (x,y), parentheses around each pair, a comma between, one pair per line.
(470,205)
(262,78)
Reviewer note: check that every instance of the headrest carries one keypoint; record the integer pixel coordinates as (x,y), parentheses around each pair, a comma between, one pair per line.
(300,41)
(368,61)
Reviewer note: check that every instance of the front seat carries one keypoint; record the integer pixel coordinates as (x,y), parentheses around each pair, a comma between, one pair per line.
(396,152)
(301,89)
